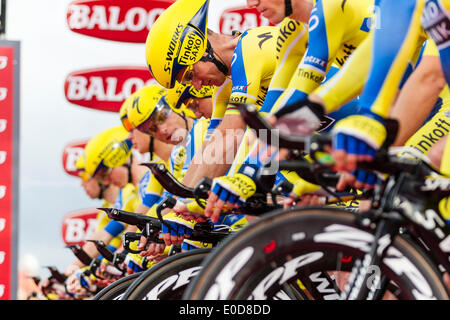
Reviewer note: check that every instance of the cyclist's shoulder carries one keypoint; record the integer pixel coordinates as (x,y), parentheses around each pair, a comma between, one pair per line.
(257,40)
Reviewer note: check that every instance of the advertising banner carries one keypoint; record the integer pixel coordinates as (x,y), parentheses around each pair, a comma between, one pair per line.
(78,226)
(9,163)
(105,88)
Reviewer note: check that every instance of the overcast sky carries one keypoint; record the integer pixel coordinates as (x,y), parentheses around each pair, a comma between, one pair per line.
(49,52)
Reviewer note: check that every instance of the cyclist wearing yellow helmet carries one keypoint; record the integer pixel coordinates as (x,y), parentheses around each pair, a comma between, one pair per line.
(180,48)
(194,103)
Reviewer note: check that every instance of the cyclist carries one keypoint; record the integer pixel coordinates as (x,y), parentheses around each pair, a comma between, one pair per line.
(385,75)
(211,64)
(332,42)
(107,159)
(157,118)
(108,194)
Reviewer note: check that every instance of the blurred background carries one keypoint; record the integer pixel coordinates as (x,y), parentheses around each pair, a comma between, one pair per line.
(56,43)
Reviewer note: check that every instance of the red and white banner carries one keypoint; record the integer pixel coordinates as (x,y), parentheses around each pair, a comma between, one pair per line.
(241,19)
(116,20)
(105,88)
(72,151)
(78,226)
(7,168)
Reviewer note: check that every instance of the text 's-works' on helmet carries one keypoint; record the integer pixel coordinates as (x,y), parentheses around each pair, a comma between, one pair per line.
(177,40)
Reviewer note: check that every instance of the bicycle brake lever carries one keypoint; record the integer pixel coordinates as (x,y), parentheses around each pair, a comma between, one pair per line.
(202,188)
(168,181)
(103,249)
(80,253)
(94,266)
(58,276)
(128,238)
(282,187)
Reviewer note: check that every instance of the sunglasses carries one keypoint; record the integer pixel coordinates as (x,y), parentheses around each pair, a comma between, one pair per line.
(187,75)
(126,123)
(161,113)
(102,173)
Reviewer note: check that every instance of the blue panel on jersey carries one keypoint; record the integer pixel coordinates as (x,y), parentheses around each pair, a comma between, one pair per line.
(388,39)
(238,76)
(317,53)
(114,228)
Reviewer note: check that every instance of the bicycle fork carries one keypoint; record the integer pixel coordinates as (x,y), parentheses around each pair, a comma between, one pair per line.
(363,284)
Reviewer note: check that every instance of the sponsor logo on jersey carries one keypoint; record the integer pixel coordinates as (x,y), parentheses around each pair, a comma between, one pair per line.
(116,20)
(78,226)
(72,151)
(241,19)
(105,88)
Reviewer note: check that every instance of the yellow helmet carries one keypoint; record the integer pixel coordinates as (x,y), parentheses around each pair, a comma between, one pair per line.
(110,148)
(123,112)
(177,40)
(146,101)
(80,165)
(182,92)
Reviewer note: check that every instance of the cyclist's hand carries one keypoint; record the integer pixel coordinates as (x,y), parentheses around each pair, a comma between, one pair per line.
(356,139)
(74,285)
(176,227)
(305,200)
(152,250)
(230,191)
(132,266)
(300,118)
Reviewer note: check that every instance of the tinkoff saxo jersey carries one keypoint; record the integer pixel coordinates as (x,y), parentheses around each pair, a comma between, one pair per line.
(336,29)
(126,200)
(252,68)
(439,124)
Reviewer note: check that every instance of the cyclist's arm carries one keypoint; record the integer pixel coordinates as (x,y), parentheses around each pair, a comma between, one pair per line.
(210,161)
(348,82)
(325,38)
(419,94)
(394,45)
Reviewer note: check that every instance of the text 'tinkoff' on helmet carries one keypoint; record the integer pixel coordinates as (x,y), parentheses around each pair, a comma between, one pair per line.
(110,148)
(177,40)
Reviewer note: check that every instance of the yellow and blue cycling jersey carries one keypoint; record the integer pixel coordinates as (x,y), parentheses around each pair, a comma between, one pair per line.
(252,68)
(291,45)
(149,188)
(336,29)
(126,200)
(395,42)
(102,222)
(437,125)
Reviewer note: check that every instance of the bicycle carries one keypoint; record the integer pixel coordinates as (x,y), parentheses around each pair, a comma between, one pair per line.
(400,246)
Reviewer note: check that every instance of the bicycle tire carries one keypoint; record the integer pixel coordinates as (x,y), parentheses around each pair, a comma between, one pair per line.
(115,290)
(239,266)
(168,279)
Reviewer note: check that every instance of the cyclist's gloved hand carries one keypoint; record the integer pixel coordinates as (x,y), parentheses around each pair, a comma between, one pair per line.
(355,139)
(176,227)
(231,191)
(301,118)
(133,264)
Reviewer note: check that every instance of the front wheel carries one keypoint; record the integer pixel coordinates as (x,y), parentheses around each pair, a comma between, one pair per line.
(116,289)
(168,279)
(306,244)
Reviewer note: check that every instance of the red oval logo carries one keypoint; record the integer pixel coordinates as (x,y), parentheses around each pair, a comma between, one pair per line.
(116,20)
(105,88)
(72,151)
(241,19)
(78,226)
